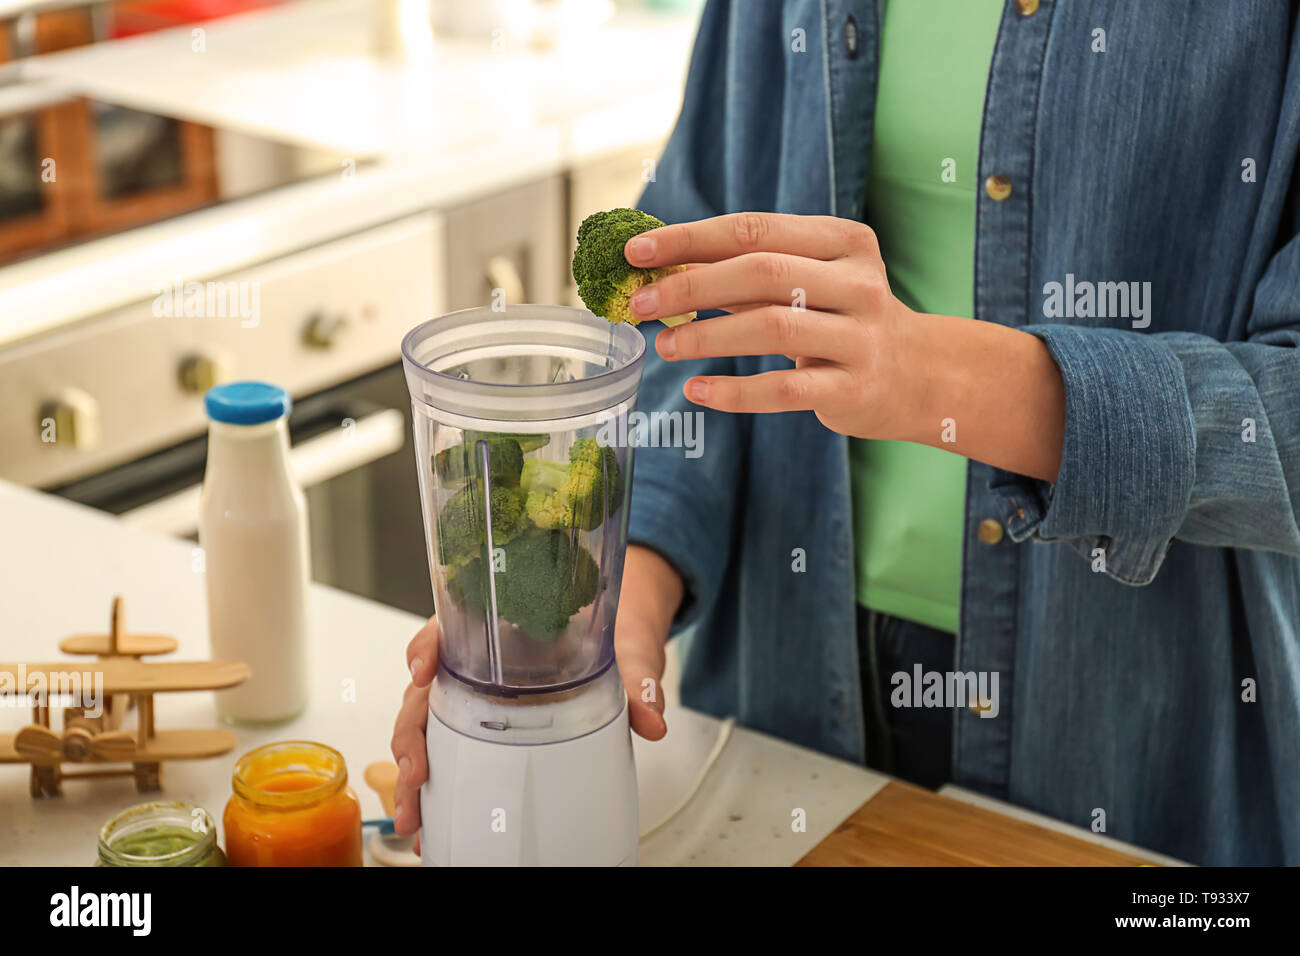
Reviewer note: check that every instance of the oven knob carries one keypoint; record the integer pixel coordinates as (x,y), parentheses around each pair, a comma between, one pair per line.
(323,329)
(198,373)
(71,420)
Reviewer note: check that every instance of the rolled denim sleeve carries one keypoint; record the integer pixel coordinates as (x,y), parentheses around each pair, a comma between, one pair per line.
(1128,462)
(1172,435)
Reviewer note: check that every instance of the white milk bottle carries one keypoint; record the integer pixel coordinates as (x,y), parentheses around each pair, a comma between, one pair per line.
(253,531)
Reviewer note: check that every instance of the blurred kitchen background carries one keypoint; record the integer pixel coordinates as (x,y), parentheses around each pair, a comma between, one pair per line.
(199,191)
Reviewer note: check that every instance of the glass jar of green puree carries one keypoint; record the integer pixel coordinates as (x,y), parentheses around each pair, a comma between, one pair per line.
(160,834)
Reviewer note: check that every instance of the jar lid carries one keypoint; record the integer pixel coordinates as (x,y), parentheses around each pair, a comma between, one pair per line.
(247,403)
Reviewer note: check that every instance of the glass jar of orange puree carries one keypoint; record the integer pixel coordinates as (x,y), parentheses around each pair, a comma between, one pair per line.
(292,806)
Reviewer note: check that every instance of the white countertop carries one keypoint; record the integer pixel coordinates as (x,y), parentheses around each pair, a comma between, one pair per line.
(61,564)
(466,122)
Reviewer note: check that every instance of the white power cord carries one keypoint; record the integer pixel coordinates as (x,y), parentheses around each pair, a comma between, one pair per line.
(724,734)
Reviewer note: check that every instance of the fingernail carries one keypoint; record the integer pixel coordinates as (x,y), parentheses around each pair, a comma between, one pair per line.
(667,343)
(698,390)
(404,767)
(415,665)
(639,247)
(646,301)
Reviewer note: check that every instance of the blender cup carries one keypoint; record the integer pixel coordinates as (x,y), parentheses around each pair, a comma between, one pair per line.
(520,423)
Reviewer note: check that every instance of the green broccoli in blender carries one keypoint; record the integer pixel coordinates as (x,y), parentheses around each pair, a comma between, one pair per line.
(606,280)
(573,495)
(462,525)
(459,463)
(527,442)
(546,578)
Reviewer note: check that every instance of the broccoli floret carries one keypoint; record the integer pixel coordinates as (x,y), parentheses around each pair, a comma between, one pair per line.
(549,510)
(605,278)
(462,526)
(546,579)
(602,465)
(467,586)
(527,442)
(575,495)
(541,481)
(457,464)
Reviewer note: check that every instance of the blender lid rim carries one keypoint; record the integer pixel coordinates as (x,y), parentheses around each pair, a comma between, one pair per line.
(629,367)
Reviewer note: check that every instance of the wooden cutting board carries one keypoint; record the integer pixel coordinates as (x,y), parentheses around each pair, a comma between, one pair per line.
(903,825)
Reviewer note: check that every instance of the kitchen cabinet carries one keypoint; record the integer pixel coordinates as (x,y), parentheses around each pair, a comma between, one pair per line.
(72,168)
(507,247)
(518,243)
(306,321)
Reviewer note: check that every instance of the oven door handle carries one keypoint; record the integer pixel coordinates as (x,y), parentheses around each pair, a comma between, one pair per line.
(314,462)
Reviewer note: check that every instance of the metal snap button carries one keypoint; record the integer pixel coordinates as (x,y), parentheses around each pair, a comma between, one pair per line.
(989,532)
(998,187)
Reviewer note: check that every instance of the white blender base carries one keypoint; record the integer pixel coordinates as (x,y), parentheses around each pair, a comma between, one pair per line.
(572,803)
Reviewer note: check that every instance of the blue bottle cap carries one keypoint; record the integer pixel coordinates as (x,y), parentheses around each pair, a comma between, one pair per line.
(247,403)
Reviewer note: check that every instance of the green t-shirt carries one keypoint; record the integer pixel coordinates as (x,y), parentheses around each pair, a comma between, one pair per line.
(908,500)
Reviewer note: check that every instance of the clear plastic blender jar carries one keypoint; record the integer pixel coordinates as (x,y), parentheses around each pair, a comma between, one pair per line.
(520,424)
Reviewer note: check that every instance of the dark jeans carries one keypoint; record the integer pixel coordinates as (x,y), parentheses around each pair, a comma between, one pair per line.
(912,743)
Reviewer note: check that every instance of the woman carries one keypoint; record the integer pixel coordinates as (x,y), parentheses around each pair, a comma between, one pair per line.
(1056,445)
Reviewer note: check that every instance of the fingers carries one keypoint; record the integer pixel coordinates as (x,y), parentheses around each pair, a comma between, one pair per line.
(711,240)
(767,277)
(412,763)
(408,729)
(769,330)
(645,704)
(422,653)
(641,663)
(786,390)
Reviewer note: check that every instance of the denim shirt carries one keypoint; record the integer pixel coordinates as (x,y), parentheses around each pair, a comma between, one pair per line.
(1142,612)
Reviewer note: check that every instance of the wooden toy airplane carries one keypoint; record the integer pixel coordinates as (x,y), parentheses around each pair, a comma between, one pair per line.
(101,692)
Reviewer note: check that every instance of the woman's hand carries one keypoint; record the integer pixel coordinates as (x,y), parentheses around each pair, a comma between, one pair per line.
(814,288)
(649,598)
(408,730)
